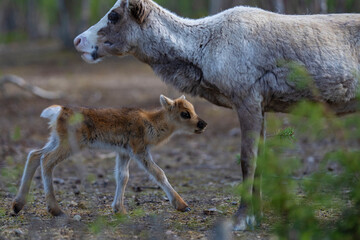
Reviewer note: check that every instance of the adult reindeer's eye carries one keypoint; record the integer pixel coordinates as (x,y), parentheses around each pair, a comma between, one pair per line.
(185,115)
(113,17)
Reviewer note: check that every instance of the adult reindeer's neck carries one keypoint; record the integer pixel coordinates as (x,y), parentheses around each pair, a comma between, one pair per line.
(172,46)
(168,37)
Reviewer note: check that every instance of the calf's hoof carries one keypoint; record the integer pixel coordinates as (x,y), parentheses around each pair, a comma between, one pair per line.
(184,209)
(56,212)
(180,205)
(17,206)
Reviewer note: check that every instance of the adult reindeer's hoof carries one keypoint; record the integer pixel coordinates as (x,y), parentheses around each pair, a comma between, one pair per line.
(119,210)
(17,206)
(244,223)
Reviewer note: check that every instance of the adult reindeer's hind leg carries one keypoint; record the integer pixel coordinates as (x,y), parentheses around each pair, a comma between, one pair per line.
(251,122)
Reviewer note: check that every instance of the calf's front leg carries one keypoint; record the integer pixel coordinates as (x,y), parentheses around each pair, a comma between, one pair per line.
(145,161)
(121,177)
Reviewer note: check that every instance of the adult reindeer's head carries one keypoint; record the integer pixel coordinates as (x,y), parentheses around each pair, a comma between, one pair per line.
(116,33)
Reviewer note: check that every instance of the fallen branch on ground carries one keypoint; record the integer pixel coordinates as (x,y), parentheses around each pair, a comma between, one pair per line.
(20,82)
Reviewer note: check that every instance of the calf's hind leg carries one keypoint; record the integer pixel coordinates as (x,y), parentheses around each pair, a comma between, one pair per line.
(48,162)
(32,163)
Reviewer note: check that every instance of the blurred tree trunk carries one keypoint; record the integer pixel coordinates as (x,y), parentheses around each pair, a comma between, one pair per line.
(323,6)
(31,19)
(215,6)
(8,16)
(64,28)
(220,5)
(85,14)
(279,6)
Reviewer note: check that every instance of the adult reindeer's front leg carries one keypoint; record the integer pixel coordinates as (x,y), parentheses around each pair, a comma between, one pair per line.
(145,161)
(251,123)
(122,177)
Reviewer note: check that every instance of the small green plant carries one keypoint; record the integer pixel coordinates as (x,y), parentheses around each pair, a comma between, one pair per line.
(297,202)
(76,119)
(287,133)
(2,212)
(98,225)
(16,134)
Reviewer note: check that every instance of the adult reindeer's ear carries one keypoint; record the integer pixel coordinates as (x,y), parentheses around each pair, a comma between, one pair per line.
(139,10)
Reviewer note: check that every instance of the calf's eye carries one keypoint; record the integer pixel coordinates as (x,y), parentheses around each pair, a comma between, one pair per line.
(185,115)
(113,17)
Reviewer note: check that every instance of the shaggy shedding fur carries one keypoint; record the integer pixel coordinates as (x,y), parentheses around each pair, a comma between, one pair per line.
(239,59)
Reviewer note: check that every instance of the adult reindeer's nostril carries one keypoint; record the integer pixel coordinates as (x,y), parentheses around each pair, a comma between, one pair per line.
(77,41)
(201,124)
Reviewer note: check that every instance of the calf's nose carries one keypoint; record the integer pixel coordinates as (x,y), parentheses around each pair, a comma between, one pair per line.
(201,124)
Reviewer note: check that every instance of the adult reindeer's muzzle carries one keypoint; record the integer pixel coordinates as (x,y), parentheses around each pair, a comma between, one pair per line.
(87,43)
(89,52)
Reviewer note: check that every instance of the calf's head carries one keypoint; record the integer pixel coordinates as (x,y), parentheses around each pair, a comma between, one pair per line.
(116,33)
(182,115)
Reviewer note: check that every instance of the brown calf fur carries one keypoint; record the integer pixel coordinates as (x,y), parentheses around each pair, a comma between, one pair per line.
(128,131)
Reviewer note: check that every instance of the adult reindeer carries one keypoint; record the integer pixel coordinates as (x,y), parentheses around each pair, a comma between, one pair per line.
(232,59)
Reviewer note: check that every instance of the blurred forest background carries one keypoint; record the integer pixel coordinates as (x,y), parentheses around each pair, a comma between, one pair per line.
(310,159)
(29,20)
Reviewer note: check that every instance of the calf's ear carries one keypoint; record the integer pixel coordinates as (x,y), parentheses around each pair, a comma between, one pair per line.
(166,102)
(139,10)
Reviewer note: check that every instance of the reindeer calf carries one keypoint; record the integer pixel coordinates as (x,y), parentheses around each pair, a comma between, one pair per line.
(129,132)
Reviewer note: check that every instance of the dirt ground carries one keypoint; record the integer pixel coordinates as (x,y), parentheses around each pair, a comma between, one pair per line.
(202,168)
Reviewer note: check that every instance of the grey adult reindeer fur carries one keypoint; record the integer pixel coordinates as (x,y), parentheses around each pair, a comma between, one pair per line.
(237,59)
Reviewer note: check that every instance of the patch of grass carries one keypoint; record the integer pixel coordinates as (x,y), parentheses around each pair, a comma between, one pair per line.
(195,223)
(227,209)
(104,223)
(238,158)
(12,190)
(2,212)
(91,177)
(178,225)
(16,134)
(137,213)
(144,234)
(15,36)
(98,225)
